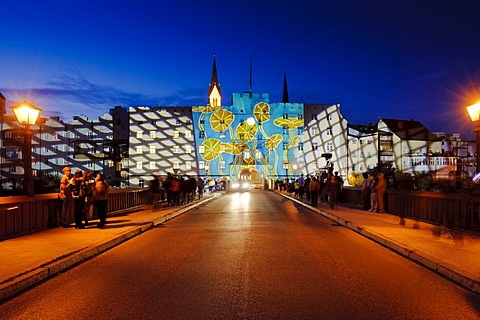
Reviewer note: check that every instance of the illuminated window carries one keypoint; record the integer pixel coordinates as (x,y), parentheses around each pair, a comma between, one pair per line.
(222,134)
(201,164)
(188,134)
(176,165)
(153,134)
(176,134)
(222,148)
(139,149)
(176,149)
(201,149)
(222,164)
(314,146)
(188,149)
(329,146)
(329,131)
(152,149)
(152,165)
(258,154)
(139,165)
(246,155)
(139,134)
(188,165)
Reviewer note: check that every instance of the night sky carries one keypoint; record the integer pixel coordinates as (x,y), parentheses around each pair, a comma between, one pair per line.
(392,59)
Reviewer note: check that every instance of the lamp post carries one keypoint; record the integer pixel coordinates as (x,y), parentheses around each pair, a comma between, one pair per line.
(474,113)
(27,115)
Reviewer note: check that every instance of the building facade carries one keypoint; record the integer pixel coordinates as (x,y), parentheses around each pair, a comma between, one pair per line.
(252,139)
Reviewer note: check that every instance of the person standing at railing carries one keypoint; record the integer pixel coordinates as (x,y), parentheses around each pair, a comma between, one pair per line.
(100,198)
(78,198)
(66,196)
(381,187)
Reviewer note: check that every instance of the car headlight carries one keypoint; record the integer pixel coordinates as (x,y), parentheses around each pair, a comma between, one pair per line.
(245,185)
(235,185)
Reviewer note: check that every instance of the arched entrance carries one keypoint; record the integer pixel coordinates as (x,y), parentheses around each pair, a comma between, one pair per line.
(251,175)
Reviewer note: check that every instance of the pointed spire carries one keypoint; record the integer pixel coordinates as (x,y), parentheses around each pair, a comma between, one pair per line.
(214,92)
(214,81)
(285,89)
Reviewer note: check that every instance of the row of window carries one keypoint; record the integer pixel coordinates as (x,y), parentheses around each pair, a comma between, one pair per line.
(176,134)
(152,165)
(175,149)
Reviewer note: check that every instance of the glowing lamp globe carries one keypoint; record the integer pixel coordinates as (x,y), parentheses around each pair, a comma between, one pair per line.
(474,111)
(26,113)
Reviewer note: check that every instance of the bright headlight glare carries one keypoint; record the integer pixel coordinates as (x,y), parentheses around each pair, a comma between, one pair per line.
(245,185)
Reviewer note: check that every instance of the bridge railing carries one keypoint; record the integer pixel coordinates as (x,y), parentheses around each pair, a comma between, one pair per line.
(20,215)
(445,209)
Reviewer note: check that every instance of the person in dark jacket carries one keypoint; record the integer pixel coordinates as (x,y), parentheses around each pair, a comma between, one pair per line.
(100,196)
(78,198)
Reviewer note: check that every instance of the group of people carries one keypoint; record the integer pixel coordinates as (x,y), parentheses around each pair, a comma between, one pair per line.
(175,190)
(83,195)
(373,191)
(328,187)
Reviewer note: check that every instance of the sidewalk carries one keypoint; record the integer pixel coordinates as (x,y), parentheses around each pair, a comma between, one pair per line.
(451,253)
(28,260)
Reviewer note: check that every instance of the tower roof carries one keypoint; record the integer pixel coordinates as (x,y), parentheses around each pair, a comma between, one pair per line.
(214,81)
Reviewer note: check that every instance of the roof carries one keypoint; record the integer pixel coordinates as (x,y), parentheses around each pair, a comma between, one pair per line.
(409,129)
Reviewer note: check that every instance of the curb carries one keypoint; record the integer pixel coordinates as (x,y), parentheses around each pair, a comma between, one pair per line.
(51,269)
(460,277)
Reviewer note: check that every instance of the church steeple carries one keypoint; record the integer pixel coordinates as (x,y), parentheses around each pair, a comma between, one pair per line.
(285,89)
(214,92)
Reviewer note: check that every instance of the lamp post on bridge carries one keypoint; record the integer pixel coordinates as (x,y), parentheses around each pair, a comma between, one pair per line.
(27,115)
(474,113)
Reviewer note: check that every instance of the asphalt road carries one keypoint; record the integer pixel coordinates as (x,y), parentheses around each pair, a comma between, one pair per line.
(252,255)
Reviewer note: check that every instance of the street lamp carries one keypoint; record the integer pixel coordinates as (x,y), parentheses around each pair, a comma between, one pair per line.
(27,115)
(474,113)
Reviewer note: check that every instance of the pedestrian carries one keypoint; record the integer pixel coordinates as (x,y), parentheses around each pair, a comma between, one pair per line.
(176,188)
(340,187)
(314,189)
(366,191)
(100,195)
(301,186)
(332,189)
(307,187)
(87,186)
(65,196)
(373,194)
(381,187)
(167,184)
(200,187)
(155,190)
(78,198)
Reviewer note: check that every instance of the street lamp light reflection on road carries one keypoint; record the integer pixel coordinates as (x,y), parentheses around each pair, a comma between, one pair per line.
(27,115)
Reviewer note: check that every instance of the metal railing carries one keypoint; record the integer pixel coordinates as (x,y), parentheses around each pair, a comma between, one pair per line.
(452,210)
(21,215)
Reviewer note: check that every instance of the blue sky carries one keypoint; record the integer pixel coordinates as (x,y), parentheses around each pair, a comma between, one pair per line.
(392,59)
